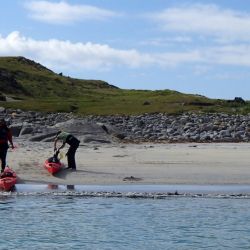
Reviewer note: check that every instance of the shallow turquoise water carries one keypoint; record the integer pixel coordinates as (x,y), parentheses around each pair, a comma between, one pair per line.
(69,220)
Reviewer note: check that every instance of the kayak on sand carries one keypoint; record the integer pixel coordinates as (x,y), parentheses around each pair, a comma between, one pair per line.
(53,164)
(53,167)
(8,179)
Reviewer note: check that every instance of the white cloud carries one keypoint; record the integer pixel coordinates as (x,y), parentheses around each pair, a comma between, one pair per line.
(58,55)
(64,13)
(236,55)
(205,20)
(167,41)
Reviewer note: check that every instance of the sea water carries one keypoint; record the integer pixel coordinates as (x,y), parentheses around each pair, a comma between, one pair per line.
(134,217)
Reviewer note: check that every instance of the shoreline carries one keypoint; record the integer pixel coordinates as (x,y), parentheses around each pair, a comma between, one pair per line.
(137,164)
(133,191)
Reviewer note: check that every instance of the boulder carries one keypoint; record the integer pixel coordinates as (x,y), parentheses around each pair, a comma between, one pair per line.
(43,136)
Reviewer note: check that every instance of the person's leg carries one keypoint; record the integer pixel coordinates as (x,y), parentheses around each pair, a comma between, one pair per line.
(3,154)
(71,157)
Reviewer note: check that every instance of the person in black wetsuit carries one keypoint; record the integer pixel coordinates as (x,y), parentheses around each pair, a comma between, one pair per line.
(73,145)
(5,137)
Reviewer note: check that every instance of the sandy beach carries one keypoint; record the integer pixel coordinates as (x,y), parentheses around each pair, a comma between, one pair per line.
(115,164)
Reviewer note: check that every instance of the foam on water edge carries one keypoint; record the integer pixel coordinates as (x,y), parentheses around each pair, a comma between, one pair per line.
(132,191)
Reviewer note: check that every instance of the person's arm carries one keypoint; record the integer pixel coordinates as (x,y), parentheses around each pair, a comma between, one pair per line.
(62,146)
(9,136)
(55,142)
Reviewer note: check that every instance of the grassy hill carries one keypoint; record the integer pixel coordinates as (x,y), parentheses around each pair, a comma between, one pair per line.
(23,77)
(34,87)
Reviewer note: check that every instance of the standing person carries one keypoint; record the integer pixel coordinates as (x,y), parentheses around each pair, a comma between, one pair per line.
(73,145)
(5,137)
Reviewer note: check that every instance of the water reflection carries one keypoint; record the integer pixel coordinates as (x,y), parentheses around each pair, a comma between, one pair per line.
(70,187)
(52,186)
(56,187)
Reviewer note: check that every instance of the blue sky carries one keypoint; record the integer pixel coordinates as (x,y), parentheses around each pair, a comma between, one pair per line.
(200,47)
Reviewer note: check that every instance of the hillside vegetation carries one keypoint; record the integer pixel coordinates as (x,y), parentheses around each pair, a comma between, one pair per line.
(28,85)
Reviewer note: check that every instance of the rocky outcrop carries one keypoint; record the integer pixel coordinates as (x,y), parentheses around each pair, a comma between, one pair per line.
(189,127)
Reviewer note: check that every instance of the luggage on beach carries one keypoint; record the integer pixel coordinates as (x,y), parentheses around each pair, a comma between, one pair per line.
(8,179)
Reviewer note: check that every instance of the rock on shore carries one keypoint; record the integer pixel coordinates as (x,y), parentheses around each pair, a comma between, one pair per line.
(188,127)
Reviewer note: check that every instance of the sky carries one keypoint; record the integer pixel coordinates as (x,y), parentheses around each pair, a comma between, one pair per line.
(197,47)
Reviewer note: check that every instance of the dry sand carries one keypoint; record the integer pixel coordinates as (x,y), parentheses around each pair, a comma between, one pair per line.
(224,163)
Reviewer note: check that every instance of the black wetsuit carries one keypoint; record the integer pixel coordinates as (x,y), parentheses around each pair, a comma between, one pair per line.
(74,144)
(4,134)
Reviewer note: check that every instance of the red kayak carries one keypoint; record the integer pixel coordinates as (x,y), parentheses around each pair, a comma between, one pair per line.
(8,179)
(53,167)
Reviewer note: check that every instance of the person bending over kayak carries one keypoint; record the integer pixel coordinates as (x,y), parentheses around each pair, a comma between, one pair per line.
(5,137)
(73,145)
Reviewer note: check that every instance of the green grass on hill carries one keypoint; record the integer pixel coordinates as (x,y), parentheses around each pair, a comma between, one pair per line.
(26,78)
(128,102)
(38,88)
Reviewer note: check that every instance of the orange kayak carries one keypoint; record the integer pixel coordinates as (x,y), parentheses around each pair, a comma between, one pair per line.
(8,179)
(53,167)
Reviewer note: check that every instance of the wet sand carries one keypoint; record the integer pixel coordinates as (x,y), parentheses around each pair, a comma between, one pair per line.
(121,164)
